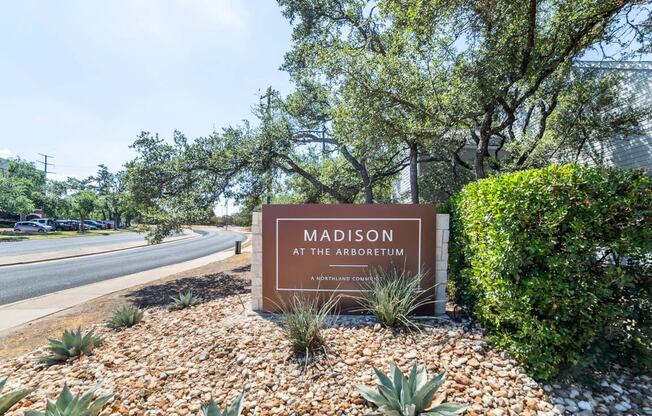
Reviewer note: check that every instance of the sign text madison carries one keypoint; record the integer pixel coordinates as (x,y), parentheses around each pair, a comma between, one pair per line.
(322,249)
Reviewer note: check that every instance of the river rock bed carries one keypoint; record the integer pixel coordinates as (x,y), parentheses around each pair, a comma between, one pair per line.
(173,360)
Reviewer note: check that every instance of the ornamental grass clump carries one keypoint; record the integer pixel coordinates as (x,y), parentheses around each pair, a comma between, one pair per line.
(69,405)
(393,296)
(72,344)
(304,320)
(411,396)
(126,317)
(212,409)
(8,400)
(185,300)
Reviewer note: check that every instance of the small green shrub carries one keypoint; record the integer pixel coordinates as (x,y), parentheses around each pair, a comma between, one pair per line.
(126,317)
(393,296)
(556,265)
(304,319)
(411,396)
(185,300)
(212,409)
(69,405)
(8,400)
(72,344)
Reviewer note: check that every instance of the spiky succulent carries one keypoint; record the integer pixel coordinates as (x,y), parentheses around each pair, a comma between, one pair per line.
(212,409)
(185,300)
(411,396)
(69,405)
(7,400)
(126,317)
(71,345)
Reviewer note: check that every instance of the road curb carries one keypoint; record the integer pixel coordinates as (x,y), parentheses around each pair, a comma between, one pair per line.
(15,314)
(193,234)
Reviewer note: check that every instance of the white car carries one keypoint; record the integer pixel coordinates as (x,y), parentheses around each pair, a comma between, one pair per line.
(45,221)
(31,227)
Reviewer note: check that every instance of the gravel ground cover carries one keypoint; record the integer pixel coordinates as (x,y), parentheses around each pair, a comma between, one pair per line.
(173,360)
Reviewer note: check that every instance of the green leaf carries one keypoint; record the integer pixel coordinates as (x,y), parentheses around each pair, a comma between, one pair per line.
(371,395)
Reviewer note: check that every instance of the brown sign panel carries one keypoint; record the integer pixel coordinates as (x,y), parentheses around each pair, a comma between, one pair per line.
(325,249)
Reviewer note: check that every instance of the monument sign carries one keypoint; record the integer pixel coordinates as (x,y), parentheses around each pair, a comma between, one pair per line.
(325,249)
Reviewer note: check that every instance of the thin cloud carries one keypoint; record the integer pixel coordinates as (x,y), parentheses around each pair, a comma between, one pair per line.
(4,153)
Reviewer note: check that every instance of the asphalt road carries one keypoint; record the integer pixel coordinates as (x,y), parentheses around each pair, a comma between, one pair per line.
(17,248)
(30,280)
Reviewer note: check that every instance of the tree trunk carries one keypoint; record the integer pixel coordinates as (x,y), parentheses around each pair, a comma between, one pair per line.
(482,146)
(81,223)
(367,185)
(414,173)
(368,193)
(480,152)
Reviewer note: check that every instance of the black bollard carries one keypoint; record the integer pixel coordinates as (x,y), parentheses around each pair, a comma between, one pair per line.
(238,247)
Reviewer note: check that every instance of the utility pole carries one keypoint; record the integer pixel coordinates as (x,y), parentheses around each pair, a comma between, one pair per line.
(226,215)
(45,164)
(268,118)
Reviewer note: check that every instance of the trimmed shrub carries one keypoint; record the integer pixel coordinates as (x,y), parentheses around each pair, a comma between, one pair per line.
(556,263)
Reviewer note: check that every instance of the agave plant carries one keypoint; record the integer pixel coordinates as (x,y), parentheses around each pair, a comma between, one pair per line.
(69,405)
(212,409)
(71,345)
(7,400)
(126,317)
(185,300)
(411,396)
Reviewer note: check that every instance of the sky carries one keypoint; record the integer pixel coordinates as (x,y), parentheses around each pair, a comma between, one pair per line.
(79,80)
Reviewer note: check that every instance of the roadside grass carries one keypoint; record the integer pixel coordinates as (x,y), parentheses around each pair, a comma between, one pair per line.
(57,234)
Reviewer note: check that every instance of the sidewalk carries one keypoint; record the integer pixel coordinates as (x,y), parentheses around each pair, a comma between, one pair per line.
(21,312)
(86,251)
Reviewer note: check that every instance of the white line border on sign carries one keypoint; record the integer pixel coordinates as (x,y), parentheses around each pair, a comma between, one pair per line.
(340,219)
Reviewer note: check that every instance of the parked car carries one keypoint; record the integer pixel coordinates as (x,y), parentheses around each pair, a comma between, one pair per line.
(31,226)
(75,223)
(7,223)
(100,224)
(46,221)
(91,225)
(66,225)
(108,225)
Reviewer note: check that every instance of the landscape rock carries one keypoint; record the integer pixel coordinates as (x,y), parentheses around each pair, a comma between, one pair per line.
(174,360)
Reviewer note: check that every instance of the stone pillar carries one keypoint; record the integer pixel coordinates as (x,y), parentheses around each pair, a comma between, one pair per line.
(257,261)
(441,262)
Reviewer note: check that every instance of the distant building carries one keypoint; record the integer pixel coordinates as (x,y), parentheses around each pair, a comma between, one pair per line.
(633,151)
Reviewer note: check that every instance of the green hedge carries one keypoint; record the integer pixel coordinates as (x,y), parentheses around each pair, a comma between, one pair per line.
(556,264)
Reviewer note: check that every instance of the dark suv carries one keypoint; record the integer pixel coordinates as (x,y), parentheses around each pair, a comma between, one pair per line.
(65,225)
